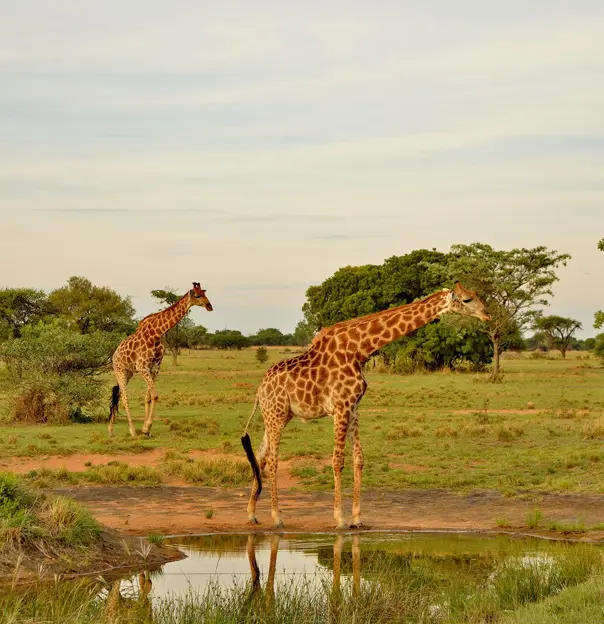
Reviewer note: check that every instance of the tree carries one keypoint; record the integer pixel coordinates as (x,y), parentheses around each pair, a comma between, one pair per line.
(599,317)
(599,347)
(176,337)
(53,372)
(558,329)
(262,354)
(510,283)
(302,334)
(87,308)
(355,291)
(229,339)
(20,307)
(271,337)
(197,336)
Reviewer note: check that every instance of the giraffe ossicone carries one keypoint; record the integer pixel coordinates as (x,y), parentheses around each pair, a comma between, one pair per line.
(327,380)
(143,352)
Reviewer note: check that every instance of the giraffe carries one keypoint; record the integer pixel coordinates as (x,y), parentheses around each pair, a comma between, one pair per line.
(142,353)
(327,380)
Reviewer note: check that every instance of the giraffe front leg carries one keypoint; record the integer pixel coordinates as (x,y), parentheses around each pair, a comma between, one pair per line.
(272,462)
(358,462)
(152,393)
(340,427)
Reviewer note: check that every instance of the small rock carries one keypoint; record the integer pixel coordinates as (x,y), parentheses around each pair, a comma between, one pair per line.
(530,405)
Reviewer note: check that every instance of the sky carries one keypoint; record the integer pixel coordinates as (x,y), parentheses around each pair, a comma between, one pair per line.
(258,147)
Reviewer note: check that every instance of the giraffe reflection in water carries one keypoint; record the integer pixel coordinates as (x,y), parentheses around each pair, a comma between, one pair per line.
(269,591)
(118,606)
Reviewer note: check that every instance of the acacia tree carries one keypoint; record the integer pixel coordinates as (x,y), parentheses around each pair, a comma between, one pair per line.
(510,283)
(599,320)
(176,337)
(559,331)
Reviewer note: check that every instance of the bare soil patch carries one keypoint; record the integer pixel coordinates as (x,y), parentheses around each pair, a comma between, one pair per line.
(182,510)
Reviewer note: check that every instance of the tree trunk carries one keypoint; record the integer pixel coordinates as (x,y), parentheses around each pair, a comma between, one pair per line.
(174,357)
(496,352)
(563,352)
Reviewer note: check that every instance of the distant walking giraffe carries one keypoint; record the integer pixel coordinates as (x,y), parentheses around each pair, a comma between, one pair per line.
(142,353)
(328,380)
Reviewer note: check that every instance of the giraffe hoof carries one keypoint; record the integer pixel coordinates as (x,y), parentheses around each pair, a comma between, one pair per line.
(253,521)
(279,525)
(357,525)
(341,526)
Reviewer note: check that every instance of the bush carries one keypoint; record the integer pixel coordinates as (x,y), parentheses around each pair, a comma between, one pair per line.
(261,354)
(451,342)
(53,373)
(599,347)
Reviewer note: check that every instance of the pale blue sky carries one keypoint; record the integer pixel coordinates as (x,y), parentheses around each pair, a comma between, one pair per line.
(257,147)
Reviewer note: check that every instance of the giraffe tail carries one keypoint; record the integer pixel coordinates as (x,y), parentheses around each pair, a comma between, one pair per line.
(247,446)
(115,402)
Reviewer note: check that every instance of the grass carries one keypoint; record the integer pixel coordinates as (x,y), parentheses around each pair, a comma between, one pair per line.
(467,434)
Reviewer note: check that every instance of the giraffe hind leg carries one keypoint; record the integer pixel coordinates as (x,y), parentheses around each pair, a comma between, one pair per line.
(122,377)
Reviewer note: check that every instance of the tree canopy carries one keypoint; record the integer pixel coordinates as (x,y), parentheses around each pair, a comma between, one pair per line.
(20,307)
(88,308)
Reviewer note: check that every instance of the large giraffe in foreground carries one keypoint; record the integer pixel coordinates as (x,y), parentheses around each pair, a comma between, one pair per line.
(143,352)
(328,380)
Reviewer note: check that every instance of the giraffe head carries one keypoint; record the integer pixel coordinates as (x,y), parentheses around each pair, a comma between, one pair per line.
(197,297)
(465,301)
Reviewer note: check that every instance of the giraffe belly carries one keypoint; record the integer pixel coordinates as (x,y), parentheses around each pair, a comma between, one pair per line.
(307,412)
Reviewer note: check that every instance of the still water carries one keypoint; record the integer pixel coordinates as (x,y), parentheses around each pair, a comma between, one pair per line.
(267,560)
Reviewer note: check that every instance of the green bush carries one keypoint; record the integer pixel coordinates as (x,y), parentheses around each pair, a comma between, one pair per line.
(599,347)
(53,373)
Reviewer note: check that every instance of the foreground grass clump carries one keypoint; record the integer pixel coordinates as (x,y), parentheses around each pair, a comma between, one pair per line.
(32,519)
(45,527)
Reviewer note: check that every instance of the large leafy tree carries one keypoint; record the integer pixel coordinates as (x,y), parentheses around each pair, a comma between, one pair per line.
(20,307)
(511,283)
(87,308)
(355,291)
(559,331)
(599,320)
(175,338)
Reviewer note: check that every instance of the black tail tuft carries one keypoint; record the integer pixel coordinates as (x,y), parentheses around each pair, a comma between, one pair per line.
(247,446)
(115,401)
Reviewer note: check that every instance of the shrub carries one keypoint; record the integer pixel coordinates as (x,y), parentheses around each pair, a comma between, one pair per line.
(53,373)
(262,354)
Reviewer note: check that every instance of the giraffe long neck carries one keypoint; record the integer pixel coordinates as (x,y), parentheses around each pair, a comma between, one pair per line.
(384,327)
(170,316)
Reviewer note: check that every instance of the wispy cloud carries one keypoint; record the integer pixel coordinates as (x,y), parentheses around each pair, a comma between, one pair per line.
(248,142)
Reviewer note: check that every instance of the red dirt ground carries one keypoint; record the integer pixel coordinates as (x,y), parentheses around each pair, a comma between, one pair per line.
(177,508)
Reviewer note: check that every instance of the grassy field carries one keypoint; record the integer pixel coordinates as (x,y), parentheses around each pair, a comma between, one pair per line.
(541,429)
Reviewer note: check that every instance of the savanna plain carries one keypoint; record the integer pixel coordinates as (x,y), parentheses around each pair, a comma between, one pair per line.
(442,451)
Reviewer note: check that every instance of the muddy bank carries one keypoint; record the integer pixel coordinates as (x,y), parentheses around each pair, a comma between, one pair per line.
(187,510)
